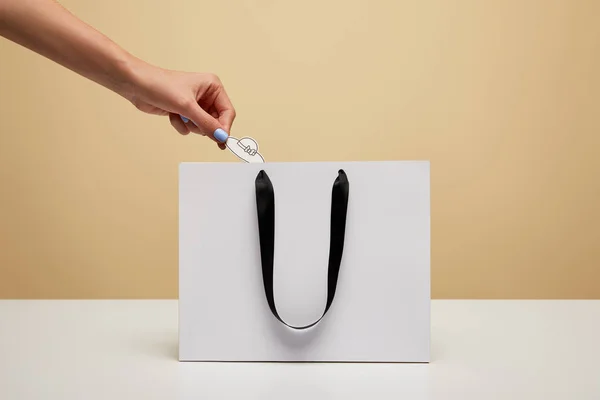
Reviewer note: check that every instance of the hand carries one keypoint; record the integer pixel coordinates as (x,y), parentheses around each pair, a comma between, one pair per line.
(46,27)
(198,97)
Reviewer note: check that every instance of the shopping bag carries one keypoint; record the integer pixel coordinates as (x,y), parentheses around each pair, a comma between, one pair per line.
(317,261)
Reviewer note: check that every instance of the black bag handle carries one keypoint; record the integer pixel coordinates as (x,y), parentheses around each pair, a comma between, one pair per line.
(265,204)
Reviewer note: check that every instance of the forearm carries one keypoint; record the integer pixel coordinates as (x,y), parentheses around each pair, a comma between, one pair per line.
(47,28)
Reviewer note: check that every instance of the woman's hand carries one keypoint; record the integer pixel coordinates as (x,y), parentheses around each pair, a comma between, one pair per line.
(49,29)
(198,97)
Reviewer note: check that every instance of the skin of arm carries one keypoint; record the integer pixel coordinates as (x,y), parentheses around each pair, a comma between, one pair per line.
(49,29)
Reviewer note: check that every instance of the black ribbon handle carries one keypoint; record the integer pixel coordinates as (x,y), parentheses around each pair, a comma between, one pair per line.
(265,204)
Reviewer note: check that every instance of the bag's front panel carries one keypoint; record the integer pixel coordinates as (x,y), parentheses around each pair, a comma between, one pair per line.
(381,308)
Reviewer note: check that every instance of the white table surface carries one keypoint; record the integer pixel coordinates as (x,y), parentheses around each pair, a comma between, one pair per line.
(128,350)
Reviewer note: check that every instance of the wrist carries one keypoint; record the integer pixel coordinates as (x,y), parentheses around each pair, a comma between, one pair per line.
(127,76)
(138,79)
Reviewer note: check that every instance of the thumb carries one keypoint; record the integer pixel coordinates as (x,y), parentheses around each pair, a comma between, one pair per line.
(207,124)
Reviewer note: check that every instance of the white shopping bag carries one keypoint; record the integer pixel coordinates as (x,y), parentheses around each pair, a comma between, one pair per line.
(261,246)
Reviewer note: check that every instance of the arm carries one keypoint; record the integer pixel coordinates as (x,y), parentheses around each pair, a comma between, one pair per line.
(47,28)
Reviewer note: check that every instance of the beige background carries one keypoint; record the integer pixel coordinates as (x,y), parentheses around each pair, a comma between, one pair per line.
(502,96)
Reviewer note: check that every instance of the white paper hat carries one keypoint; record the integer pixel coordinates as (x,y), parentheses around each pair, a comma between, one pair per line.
(245,148)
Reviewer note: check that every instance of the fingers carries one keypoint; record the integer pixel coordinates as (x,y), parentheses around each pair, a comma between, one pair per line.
(226,118)
(210,113)
(178,124)
(225,110)
(183,125)
(215,115)
(206,124)
(204,121)
(192,127)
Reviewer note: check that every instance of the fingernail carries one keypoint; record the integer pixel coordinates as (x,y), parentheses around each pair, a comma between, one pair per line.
(184,119)
(221,135)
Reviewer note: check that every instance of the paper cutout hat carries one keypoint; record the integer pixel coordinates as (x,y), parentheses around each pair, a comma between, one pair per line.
(245,148)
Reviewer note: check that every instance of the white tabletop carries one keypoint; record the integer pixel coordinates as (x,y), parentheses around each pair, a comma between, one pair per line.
(128,350)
